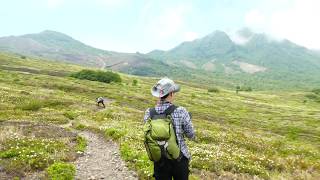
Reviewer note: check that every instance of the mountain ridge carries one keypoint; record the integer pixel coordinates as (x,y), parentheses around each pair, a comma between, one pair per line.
(214,58)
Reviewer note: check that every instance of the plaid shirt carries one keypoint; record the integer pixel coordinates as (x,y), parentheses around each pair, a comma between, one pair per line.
(182,123)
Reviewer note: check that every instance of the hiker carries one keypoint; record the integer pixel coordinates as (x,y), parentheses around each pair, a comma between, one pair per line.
(169,154)
(100,100)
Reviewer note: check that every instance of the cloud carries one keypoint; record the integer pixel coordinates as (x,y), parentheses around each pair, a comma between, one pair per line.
(112,3)
(52,4)
(238,38)
(168,22)
(298,22)
(255,18)
(190,36)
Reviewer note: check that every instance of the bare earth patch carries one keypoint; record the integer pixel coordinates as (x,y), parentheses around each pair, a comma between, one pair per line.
(249,68)
(189,64)
(228,70)
(209,66)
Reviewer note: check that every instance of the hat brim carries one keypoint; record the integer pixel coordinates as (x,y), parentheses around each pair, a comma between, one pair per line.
(176,88)
(156,92)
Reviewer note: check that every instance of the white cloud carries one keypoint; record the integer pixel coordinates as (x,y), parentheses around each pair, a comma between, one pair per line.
(238,39)
(52,4)
(190,36)
(298,22)
(255,18)
(112,3)
(168,23)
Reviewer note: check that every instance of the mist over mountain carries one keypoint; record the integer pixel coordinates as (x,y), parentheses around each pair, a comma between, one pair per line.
(248,58)
(257,56)
(258,50)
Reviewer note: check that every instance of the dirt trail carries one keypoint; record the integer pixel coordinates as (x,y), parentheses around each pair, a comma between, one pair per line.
(101,160)
(103,66)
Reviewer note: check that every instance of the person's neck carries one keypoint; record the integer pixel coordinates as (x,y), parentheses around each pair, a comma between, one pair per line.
(164,101)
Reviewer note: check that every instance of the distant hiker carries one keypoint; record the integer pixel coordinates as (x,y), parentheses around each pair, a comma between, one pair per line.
(165,128)
(100,100)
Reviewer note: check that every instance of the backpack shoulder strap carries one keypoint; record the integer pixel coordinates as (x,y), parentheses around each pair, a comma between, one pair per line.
(170,110)
(153,112)
(154,115)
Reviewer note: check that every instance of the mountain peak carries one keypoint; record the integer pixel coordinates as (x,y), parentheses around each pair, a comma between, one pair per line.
(217,34)
(245,33)
(49,34)
(214,44)
(54,34)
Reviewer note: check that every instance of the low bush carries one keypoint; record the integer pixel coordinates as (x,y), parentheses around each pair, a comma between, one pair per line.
(248,89)
(101,76)
(61,171)
(214,90)
(80,126)
(313,97)
(32,105)
(36,104)
(316,91)
(134,82)
(114,133)
(244,88)
(70,115)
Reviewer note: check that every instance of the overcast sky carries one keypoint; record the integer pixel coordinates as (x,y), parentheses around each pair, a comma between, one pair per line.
(145,25)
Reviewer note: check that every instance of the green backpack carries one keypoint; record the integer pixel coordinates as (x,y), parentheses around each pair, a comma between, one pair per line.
(160,137)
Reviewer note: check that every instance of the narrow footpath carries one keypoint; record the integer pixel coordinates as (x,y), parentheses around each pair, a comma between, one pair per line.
(101,160)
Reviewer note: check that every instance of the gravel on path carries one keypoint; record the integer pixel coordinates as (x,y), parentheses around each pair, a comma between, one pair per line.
(101,160)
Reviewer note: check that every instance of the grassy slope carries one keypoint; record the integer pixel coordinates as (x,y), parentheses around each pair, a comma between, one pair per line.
(264,134)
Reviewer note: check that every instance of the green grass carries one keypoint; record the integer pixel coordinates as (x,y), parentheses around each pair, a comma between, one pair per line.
(81,144)
(271,135)
(61,171)
(26,154)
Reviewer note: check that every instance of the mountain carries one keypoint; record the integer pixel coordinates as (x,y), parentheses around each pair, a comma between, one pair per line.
(58,46)
(257,59)
(247,59)
(53,45)
(215,44)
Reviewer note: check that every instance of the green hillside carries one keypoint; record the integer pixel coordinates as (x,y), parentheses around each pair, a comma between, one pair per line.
(261,62)
(61,47)
(250,135)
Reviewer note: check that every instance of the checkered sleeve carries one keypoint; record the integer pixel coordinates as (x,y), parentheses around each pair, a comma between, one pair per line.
(146,115)
(187,124)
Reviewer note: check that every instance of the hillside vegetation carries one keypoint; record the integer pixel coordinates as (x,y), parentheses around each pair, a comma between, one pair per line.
(260,62)
(249,135)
